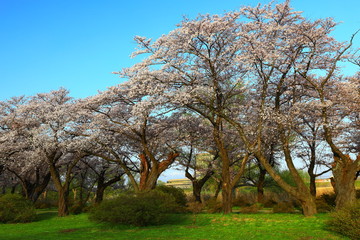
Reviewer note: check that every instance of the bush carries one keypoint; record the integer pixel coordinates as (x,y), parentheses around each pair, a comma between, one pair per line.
(245,197)
(322,206)
(195,207)
(15,209)
(177,193)
(251,209)
(46,203)
(346,221)
(142,209)
(284,207)
(328,198)
(269,203)
(213,206)
(78,208)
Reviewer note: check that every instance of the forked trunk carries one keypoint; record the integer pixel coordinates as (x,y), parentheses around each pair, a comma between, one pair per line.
(301,192)
(102,185)
(149,181)
(198,184)
(151,170)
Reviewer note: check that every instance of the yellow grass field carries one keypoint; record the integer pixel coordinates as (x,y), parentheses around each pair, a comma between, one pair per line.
(326,187)
(324,190)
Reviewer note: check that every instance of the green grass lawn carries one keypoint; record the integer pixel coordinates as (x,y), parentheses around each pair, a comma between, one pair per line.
(180,226)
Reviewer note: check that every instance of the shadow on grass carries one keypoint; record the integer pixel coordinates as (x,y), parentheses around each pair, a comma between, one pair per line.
(178,219)
(172,220)
(45,215)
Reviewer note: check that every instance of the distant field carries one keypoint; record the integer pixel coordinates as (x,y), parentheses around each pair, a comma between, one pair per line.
(325,187)
(180,226)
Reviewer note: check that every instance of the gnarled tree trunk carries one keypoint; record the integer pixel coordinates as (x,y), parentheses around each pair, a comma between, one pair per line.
(151,170)
(344,172)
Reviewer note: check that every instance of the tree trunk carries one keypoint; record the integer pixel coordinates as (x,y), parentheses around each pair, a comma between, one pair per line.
(301,192)
(226,197)
(308,206)
(198,183)
(100,189)
(197,191)
(102,185)
(99,195)
(225,169)
(312,185)
(40,188)
(148,182)
(260,185)
(344,171)
(149,175)
(13,188)
(218,189)
(311,168)
(63,204)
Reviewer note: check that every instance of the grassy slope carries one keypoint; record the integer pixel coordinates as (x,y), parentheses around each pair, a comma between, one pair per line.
(208,226)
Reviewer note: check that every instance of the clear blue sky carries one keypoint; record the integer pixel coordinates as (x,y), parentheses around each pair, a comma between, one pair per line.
(76,44)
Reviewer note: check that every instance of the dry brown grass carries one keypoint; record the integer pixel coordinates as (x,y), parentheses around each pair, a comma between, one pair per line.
(324,190)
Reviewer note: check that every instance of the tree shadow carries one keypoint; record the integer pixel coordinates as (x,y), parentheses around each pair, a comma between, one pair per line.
(45,215)
(178,219)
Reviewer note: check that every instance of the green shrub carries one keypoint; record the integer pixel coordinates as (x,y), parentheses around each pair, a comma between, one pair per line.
(142,209)
(346,221)
(177,193)
(15,209)
(283,207)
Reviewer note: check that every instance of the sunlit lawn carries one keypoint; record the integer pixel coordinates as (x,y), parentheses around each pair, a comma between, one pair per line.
(180,226)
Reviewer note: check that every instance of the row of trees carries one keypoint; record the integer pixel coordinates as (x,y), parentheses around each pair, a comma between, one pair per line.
(260,84)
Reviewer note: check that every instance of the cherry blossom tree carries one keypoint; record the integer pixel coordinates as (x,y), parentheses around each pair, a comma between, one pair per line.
(16,151)
(49,118)
(246,70)
(337,102)
(198,154)
(195,67)
(312,148)
(106,174)
(140,141)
